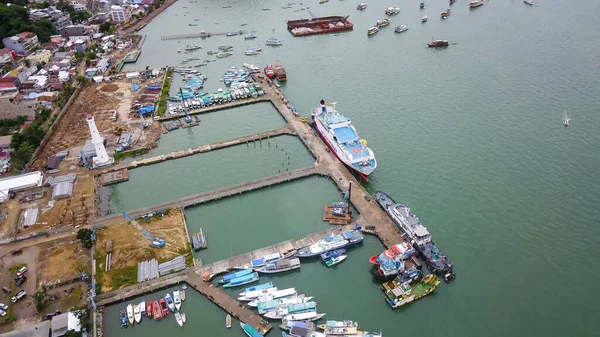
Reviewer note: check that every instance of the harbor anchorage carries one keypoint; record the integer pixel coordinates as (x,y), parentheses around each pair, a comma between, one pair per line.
(352,218)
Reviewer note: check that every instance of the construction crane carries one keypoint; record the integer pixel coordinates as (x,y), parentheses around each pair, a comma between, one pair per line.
(156,241)
(188,119)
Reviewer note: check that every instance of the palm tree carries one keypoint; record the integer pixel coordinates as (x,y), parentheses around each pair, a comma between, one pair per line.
(81,79)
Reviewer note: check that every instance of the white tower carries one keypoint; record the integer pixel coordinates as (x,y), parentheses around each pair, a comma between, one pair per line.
(101,157)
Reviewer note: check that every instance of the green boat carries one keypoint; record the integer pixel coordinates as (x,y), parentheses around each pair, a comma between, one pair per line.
(406,293)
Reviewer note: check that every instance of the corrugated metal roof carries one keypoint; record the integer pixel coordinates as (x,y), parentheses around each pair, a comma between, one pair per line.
(62,190)
(60,179)
(30,216)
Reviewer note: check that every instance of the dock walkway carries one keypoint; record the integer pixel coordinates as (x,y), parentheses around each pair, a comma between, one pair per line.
(216,107)
(217,194)
(202,148)
(201,34)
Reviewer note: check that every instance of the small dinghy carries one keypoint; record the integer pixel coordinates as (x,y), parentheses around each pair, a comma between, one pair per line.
(178,318)
(228,321)
(335,260)
(424,18)
(183,317)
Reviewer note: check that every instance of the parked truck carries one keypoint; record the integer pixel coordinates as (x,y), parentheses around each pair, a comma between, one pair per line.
(18,296)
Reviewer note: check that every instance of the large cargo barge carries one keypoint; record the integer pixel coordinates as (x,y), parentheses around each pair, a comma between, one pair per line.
(323,25)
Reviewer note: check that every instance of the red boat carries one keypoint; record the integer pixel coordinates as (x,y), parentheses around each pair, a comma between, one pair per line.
(163,306)
(157,312)
(149,309)
(280,72)
(269,72)
(402,250)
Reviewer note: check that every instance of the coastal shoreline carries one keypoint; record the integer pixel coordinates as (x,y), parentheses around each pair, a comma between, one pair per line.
(148,18)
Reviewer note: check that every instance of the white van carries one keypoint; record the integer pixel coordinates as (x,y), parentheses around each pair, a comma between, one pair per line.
(22,271)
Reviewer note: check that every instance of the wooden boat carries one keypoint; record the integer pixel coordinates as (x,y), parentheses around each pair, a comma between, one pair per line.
(281,75)
(438,43)
(149,309)
(249,330)
(164,308)
(339,327)
(475,4)
(242,280)
(406,293)
(228,321)
(279,266)
(182,295)
(223,55)
(372,30)
(156,311)
(383,22)
(130,317)
(178,318)
(176,300)
(335,260)
(137,313)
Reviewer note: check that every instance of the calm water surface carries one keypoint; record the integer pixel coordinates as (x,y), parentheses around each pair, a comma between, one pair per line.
(470,137)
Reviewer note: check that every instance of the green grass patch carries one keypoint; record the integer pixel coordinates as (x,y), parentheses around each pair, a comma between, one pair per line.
(99,275)
(162,102)
(123,277)
(15,268)
(131,153)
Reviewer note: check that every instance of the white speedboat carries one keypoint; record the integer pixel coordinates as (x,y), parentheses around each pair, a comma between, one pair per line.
(331,242)
(424,18)
(137,314)
(392,11)
(130,317)
(169,301)
(179,318)
(176,299)
(401,29)
(372,30)
(183,317)
(361,6)
(335,260)
(252,295)
(305,316)
(276,295)
(182,295)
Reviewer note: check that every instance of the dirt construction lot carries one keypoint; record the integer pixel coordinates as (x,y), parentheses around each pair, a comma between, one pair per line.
(130,246)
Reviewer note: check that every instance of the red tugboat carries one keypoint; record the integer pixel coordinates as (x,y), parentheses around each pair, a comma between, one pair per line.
(269,72)
(280,72)
(438,43)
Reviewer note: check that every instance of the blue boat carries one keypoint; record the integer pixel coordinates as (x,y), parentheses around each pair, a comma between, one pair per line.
(249,330)
(242,280)
(258,287)
(234,275)
(328,255)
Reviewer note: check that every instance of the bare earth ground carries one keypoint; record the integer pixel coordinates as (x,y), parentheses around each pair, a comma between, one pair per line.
(62,261)
(130,246)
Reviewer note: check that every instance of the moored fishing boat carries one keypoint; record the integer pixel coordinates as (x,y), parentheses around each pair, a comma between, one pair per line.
(279,266)
(421,239)
(475,4)
(249,330)
(164,308)
(407,293)
(236,282)
(176,299)
(309,315)
(156,311)
(250,36)
(298,308)
(276,295)
(273,42)
(383,22)
(401,29)
(142,306)
(392,11)
(258,287)
(331,242)
(252,295)
(264,307)
(410,276)
(182,295)
(445,14)
(388,269)
(123,318)
(183,317)
(231,276)
(335,260)
(372,30)
(401,251)
(224,54)
(451,2)
(361,6)
(178,318)
(190,47)
(225,48)
(137,313)
(339,327)
(252,51)
(269,72)
(341,137)
(280,72)
(288,325)
(130,317)
(528,2)
(149,309)
(327,255)
(228,321)
(422,5)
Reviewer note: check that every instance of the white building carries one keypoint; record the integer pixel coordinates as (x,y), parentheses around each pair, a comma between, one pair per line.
(120,14)
(18,183)
(77,6)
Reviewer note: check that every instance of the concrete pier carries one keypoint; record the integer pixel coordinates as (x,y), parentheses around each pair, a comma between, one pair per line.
(202,148)
(217,107)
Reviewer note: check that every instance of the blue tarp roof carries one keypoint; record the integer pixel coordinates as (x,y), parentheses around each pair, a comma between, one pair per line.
(145,109)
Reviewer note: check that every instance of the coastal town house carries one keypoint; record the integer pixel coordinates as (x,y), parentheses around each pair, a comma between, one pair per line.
(77,6)
(5,56)
(11,107)
(57,18)
(22,43)
(120,14)
(40,56)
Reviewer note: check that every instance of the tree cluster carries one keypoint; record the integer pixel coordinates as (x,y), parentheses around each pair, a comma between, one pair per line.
(15,19)
(85,236)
